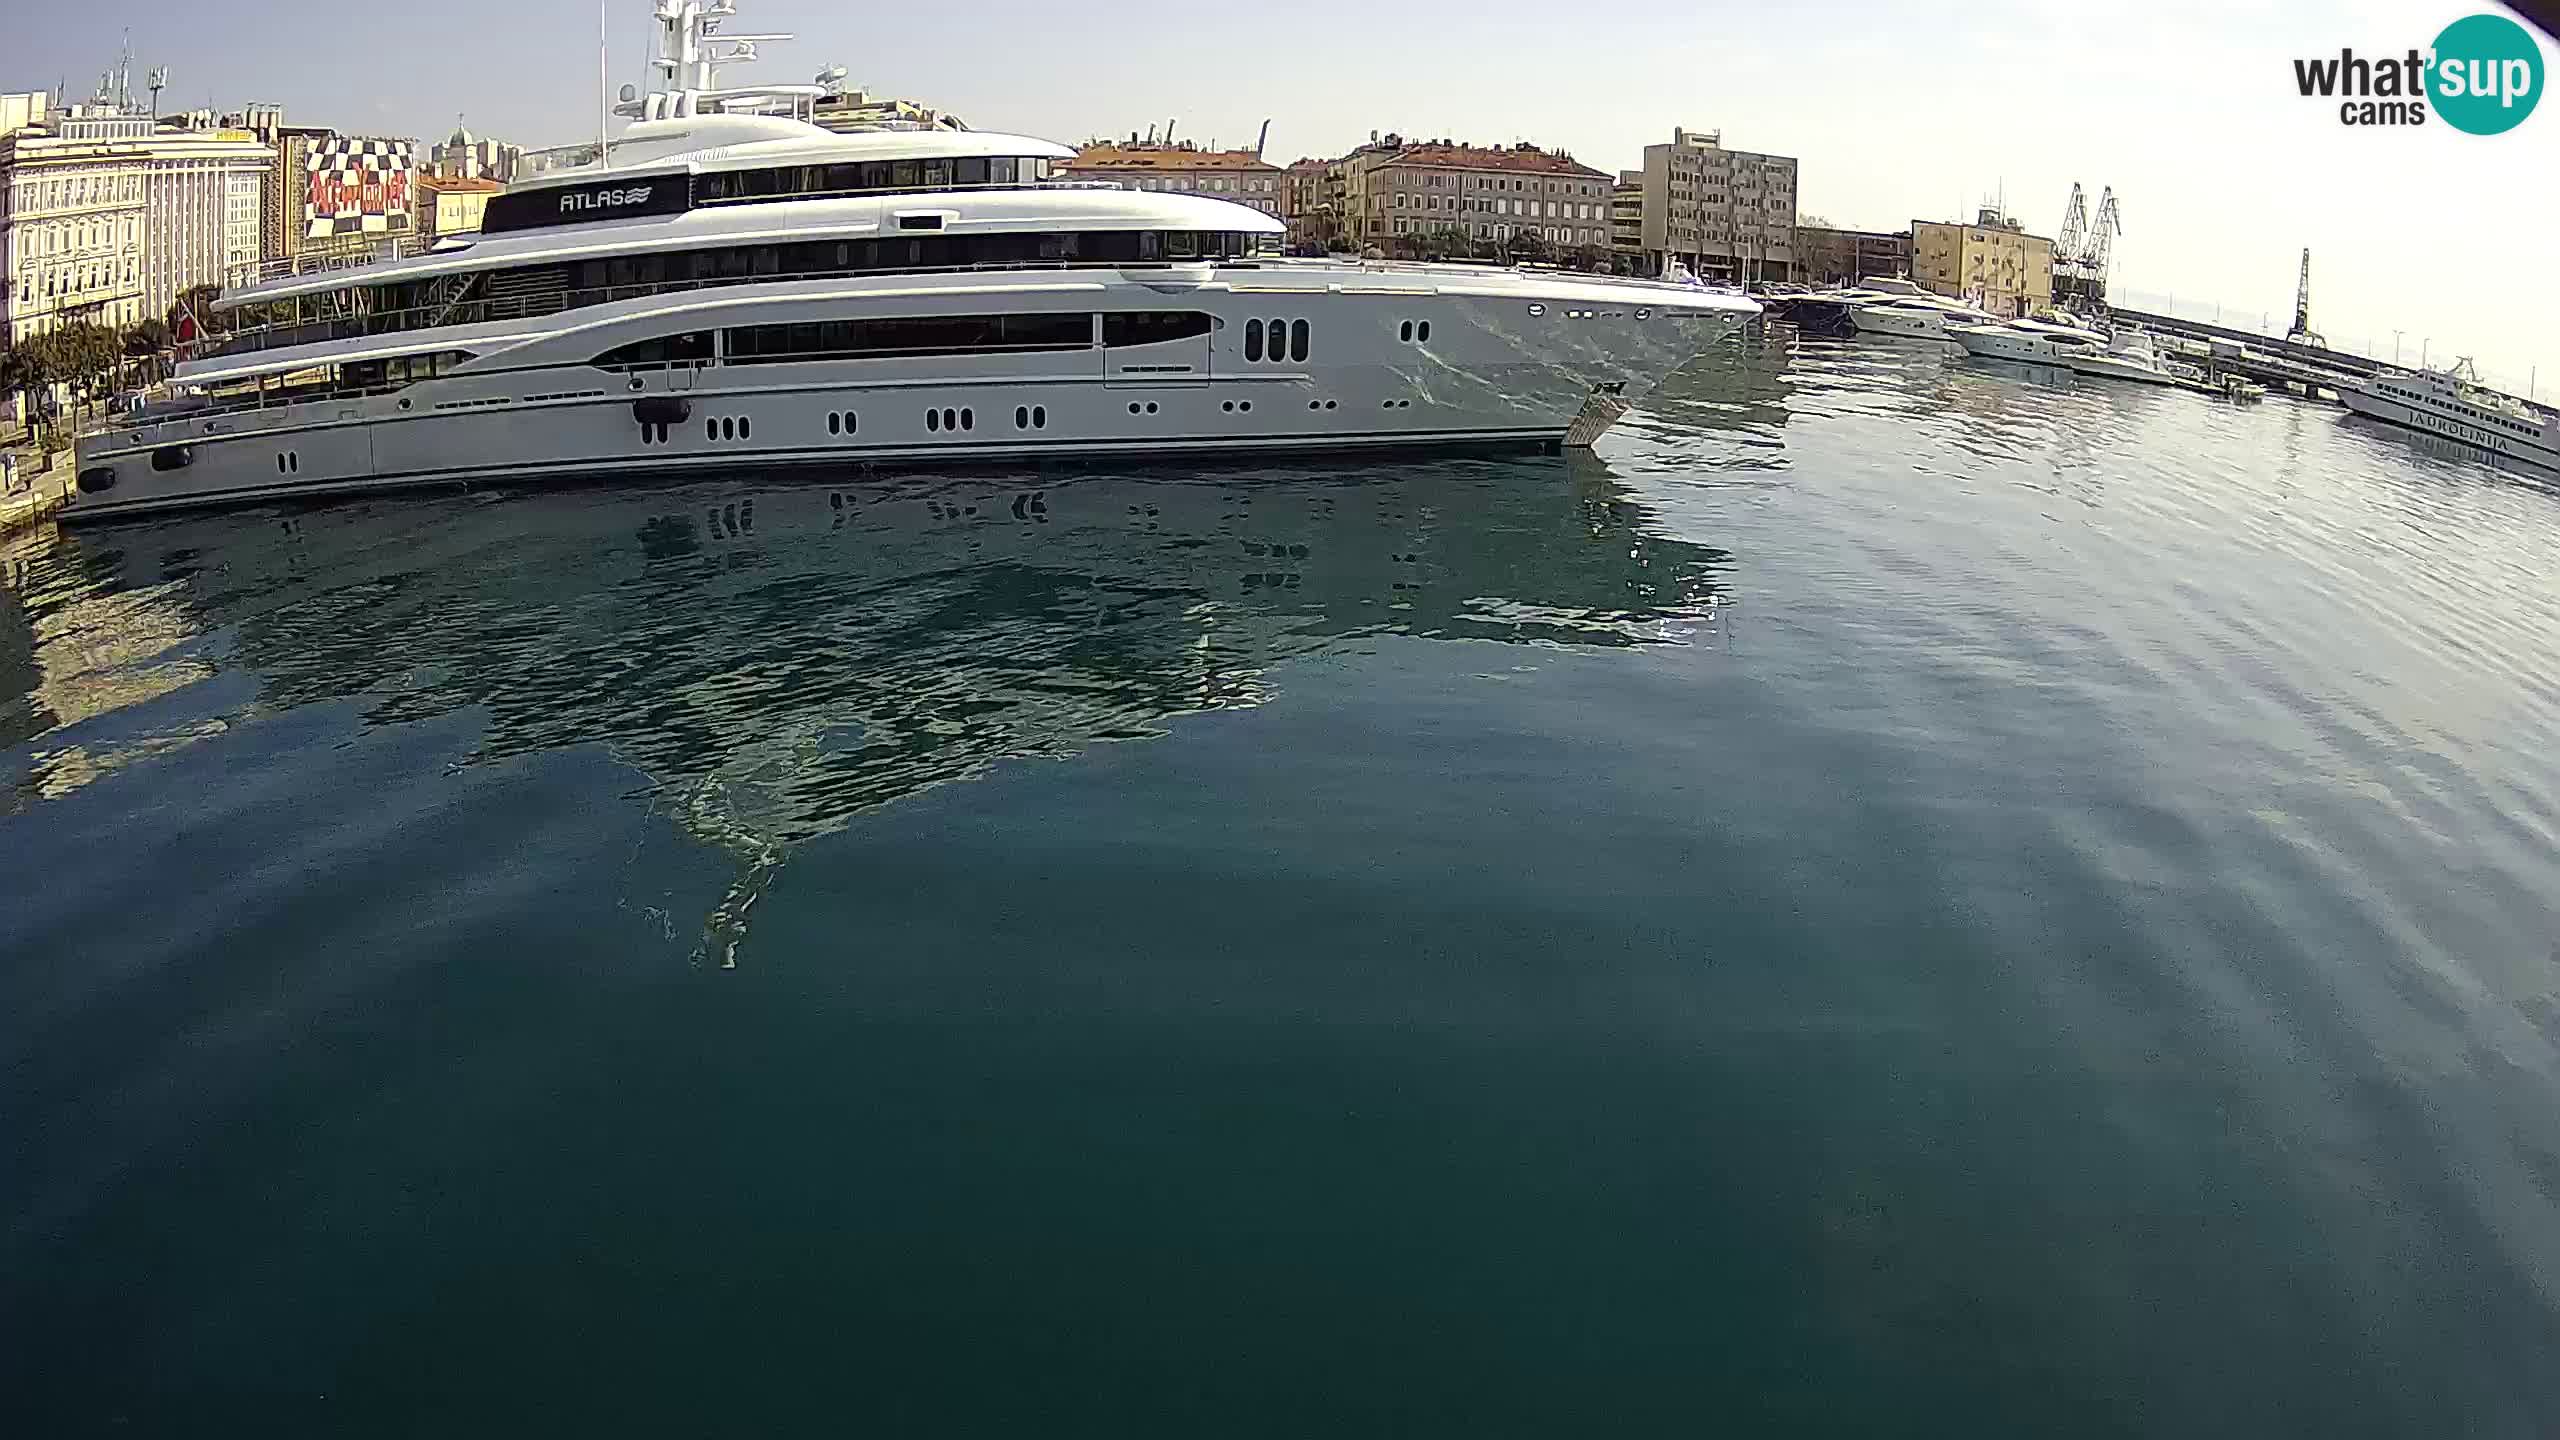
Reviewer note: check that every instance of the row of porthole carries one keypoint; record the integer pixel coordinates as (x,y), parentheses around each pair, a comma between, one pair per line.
(1030,417)
(1135,407)
(727,427)
(950,419)
(1232,406)
(1417,331)
(1288,340)
(288,462)
(654,432)
(842,422)
(1395,404)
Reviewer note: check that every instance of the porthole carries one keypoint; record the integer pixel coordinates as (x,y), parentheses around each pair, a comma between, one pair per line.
(1151,407)
(933,419)
(1537,309)
(835,423)
(1252,342)
(1297,339)
(1405,331)
(1244,404)
(746,427)
(968,419)
(1039,417)
(710,429)
(1021,417)
(1422,332)
(852,422)
(1644,314)
(1133,405)
(1227,405)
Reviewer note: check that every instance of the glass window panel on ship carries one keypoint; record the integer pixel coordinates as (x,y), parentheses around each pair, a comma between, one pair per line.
(488,295)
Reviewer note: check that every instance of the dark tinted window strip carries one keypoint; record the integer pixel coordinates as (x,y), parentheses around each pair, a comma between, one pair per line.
(547,289)
(907,336)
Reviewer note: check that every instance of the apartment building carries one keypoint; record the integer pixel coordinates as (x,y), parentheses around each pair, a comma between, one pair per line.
(200,215)
(1724,213)
(1396,188)
(73,192)
(1626,217)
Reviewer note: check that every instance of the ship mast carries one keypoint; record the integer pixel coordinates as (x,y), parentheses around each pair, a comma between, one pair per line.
(691,50)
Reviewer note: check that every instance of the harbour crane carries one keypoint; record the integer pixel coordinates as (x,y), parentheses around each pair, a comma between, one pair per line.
(2302,333)
(2103,231)
(2075,230)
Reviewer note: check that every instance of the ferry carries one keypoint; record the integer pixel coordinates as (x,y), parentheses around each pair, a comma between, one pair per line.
(730,284)
(2454,404)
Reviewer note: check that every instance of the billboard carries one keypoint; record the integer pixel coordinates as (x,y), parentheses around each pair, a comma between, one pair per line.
(357,187)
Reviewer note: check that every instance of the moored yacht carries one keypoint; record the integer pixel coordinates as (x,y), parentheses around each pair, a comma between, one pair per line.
(2028,342)
(2454,404)
(732,285)
(1896,307)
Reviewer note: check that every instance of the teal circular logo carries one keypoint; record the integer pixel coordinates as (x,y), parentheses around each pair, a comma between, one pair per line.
(2486,75)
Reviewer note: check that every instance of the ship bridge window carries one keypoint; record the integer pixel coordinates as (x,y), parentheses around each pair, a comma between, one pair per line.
(1151,327)
(691,347)
(908,335)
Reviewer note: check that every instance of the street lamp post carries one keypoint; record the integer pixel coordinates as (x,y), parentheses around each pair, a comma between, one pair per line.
(2395,347)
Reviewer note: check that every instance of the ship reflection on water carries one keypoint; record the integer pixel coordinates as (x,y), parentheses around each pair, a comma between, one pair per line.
(778,657)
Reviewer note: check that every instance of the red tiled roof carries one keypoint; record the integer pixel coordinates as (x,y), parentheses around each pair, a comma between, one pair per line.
(1474,157)
(1162,157)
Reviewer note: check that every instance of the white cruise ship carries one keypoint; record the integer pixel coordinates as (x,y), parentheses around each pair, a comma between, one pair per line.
(732,285)
(2452,403)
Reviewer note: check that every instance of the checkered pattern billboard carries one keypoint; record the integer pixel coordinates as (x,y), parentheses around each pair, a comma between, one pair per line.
(358,187)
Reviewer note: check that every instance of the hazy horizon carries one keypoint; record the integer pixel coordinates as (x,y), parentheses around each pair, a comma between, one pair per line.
(2223,171)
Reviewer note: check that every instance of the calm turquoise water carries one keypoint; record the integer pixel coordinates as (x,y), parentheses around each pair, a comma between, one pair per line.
(1906,897)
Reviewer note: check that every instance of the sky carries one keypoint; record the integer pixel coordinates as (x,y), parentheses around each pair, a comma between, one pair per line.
(2188,108)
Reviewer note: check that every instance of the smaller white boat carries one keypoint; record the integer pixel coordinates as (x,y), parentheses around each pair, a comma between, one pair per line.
(2130,355)
(2243,389)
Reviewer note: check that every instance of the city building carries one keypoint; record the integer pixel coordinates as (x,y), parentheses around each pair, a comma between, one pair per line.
(1729,214)
(21,109)
(1242,176)
(72,198)
(1626,217)
(202,196)
(1395,188)
(463,156)
(1826,255)
(453,204)
(1992,262)
(330,199)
